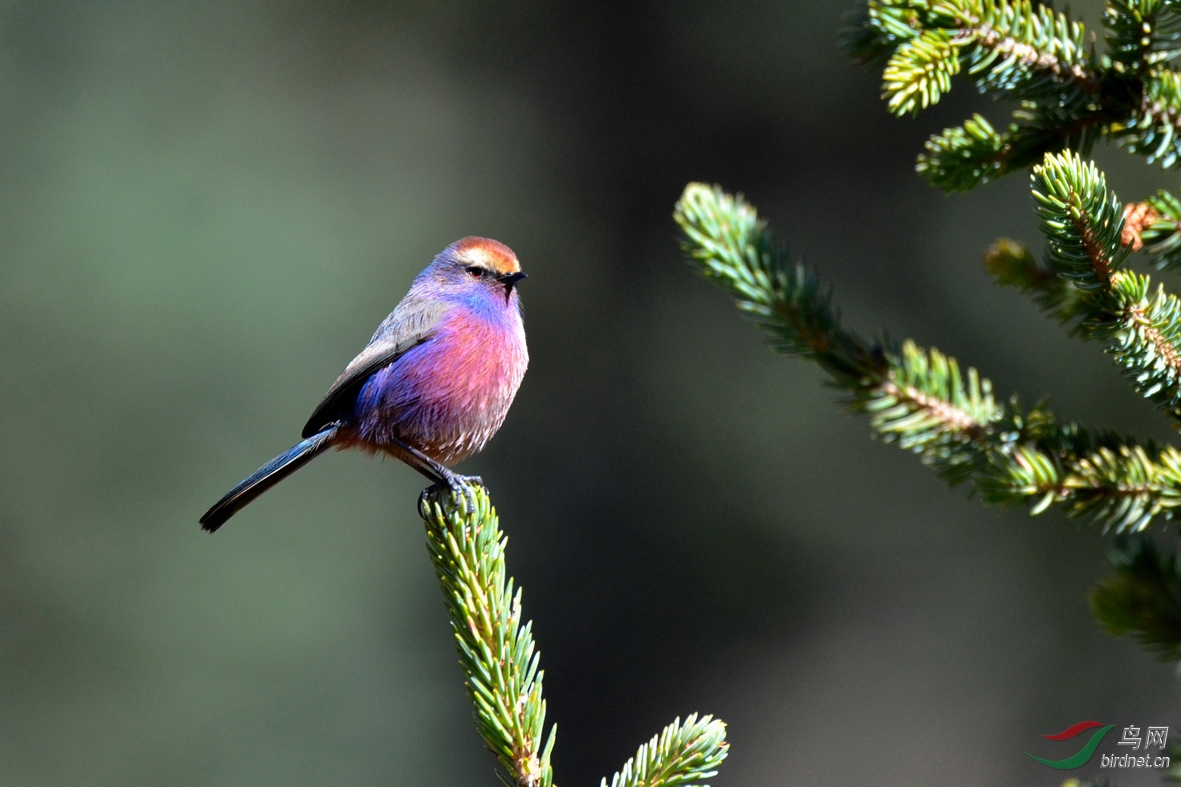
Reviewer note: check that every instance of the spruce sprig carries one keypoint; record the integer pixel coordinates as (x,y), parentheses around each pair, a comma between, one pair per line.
(919,398)
(1011,48)
(962,158)
(1083,224)
(1157,230)
(501,663)
(1143,597)
(1142,33)
(683,755)
(496,651)
(920,71)
(1024,51)
(1151,129)
(1069,96)
(916,398)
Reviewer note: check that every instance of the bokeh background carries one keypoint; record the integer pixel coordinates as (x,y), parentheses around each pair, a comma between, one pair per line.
(207,208)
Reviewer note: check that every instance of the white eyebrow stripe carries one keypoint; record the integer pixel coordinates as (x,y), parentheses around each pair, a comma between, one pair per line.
(477,256)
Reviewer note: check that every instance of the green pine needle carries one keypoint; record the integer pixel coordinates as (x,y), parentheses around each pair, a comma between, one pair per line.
(920,71)
(496,651)
(1016,50)
(1131,486)
(916,398)
(683,755)
(1011,264)
(1142,33)
(1011,48)
(922,401)
(1142,598)
(1122,486)
(1025,51)
(1069,98)
(1151,130)
(501,664)
(927,406)
(1162,237)
(1083,224)
(732,246)
(1146,340)
(873,36)
(960,159)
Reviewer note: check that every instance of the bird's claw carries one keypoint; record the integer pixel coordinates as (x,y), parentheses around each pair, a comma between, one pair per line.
(424,506)
(462,485)
(458,485)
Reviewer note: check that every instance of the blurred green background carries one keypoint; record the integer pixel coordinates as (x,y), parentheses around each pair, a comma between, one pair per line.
(207,209)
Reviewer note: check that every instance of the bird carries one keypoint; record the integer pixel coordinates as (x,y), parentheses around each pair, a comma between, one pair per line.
(433,385)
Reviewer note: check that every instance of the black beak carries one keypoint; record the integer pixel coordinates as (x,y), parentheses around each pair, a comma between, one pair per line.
(509,280)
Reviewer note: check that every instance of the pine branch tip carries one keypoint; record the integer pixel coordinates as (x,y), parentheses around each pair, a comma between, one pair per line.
(681,755)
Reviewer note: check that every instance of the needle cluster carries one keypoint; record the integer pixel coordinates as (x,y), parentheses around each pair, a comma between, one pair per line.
(925,402)
(1143,598)
(680,756)
(1069,94)
(500,661)
(1072,89)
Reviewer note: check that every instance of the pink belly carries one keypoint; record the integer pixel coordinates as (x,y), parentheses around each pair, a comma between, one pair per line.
(448,396)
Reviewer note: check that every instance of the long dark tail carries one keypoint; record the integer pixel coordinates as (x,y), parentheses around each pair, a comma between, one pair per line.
(267,476)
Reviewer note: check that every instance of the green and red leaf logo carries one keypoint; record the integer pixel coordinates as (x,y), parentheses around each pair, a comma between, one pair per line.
(1084,753)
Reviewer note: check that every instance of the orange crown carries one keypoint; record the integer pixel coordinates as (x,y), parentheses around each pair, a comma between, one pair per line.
(486,253)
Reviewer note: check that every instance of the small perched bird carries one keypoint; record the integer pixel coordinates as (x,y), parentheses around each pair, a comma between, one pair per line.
(434,383)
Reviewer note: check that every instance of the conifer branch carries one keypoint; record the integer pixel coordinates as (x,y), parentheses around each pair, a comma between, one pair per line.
(919,399)
(1083,225)
(1123,485)
(501,664)
(1153,129)
(920,71)
(1143,597)
(1015,50)
(960,159)
(1025,51)
(1142,33)
(879,29)
(1012,265)
(496,652)
(1155,226)
(1070,98)
(1143,328)
(916,398)
(683,755)
(1010,47)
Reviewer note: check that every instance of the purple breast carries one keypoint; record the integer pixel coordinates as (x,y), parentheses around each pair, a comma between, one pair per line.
(447,396)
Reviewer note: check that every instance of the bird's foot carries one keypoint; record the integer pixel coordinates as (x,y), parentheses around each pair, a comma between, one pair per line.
(458,485)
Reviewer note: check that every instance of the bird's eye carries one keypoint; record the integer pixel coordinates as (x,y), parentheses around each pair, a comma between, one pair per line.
(476,272)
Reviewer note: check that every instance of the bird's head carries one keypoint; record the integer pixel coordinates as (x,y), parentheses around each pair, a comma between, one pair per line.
(477,266)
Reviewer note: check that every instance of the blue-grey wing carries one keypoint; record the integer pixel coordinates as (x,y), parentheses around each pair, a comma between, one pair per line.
(411,323)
